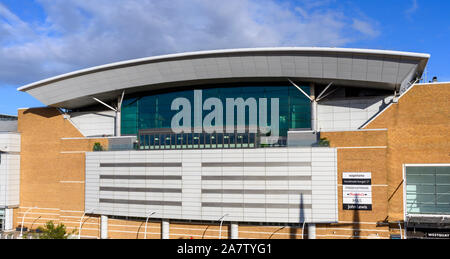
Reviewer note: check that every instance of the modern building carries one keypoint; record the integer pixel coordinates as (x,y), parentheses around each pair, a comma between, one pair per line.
(246,143)
(9,169)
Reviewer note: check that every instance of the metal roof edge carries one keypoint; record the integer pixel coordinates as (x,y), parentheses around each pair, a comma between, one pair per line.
(225,51)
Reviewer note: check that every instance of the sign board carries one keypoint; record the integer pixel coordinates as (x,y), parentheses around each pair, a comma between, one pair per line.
(357,191)
(439,235)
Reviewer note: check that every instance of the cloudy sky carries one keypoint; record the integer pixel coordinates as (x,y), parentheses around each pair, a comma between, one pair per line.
(44,38)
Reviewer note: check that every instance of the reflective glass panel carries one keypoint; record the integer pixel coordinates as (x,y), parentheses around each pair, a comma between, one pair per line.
(153,111)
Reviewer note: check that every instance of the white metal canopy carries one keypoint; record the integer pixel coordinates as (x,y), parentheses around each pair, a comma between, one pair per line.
(346,67)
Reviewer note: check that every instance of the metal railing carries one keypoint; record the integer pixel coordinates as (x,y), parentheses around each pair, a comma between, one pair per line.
(165,139)
(16,235)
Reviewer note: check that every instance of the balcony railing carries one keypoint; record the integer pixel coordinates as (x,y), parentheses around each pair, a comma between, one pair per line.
(164,139)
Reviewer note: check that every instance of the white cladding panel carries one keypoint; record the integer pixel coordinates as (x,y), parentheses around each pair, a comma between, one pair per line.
(8,126)
(10,142)
(93,124)
(349,113)
(9,179)
(286,185)
(9,169)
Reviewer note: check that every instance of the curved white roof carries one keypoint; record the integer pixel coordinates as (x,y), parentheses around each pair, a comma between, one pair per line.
(352,67)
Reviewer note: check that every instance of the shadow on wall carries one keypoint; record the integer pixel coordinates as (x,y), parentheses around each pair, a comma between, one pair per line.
(294,230)
(46,112)
(382,107)
(361,103)
(356,222)
(139,229)
(104,114)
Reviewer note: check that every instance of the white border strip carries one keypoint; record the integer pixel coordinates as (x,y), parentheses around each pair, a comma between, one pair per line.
(428,165)
(357,130)
(435,83)
(374,147)
(431,216)
(75,182)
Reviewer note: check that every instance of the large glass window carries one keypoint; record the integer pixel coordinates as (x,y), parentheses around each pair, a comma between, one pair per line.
(428,190)
(154,111)
(129,116)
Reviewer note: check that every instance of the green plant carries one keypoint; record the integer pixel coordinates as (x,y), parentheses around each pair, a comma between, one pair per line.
(50,231)
(98,147)
(324,142)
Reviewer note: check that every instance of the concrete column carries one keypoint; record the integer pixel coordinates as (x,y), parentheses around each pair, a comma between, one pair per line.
(118,123)
(118,120)
(311,231)
(312,94)
(313,107)
(8,223)
(234,229)
(165,229)
(104,227)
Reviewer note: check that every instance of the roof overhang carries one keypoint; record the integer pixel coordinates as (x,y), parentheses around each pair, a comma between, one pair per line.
(378,69)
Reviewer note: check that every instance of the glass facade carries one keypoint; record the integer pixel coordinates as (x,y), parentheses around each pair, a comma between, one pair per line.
(428,190)
(153,111)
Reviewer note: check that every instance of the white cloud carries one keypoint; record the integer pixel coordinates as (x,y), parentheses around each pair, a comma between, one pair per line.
(78,34)
(412,9)
(365,28)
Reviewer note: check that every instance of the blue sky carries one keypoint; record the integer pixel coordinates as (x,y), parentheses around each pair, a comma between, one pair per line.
(44,38)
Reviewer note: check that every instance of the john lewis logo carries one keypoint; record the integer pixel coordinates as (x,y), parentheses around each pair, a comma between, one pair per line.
(213,121)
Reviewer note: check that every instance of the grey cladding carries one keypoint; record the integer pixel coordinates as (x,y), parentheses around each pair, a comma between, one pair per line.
(257,205)
(267,192)
(256,164)
(125,189)
(279,185)
(256,178)
(140,177)
(139,202)
(140,165)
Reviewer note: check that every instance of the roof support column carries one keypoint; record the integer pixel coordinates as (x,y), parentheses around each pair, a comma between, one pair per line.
(118,123)
(313,107)
(119,115)
(118,110)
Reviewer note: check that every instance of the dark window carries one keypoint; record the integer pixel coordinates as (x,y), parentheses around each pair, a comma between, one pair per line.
(153,111)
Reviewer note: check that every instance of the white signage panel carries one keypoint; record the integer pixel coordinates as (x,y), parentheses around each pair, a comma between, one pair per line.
(357,191)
